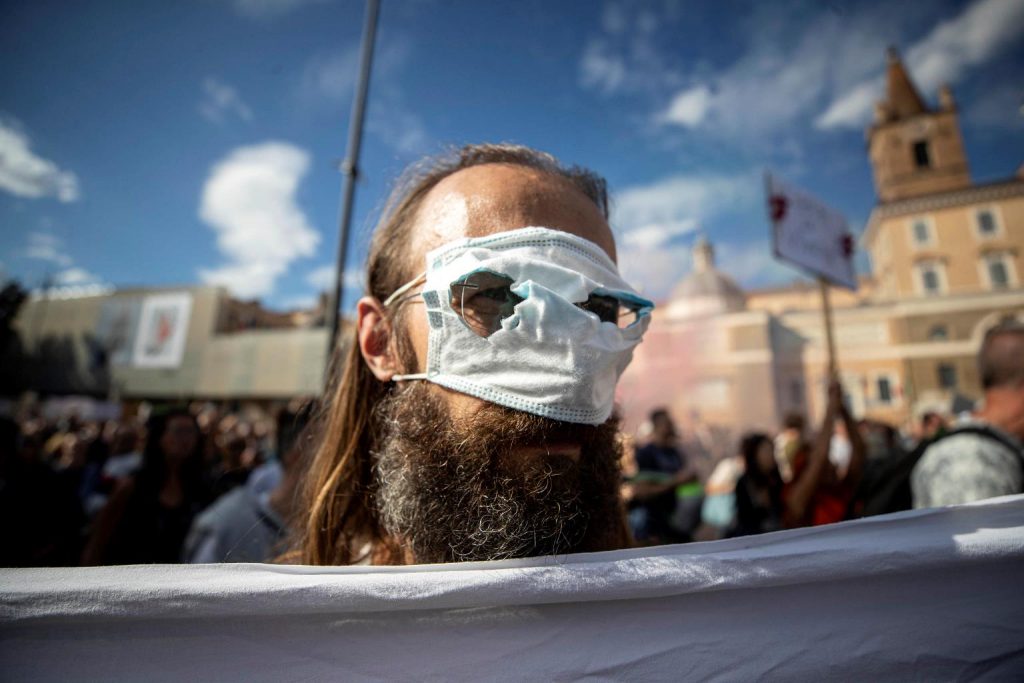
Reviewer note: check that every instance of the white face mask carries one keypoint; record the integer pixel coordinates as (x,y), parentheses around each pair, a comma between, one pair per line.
(508,322)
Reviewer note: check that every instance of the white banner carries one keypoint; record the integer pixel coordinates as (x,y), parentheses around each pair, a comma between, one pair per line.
(163,329)
(922,595)
(809,234)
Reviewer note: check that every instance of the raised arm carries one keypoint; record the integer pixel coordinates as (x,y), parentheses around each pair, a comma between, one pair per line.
(802,489)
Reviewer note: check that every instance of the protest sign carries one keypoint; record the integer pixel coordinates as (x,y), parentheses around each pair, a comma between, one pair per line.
(809,234)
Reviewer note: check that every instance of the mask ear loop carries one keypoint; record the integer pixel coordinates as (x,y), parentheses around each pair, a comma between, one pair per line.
(393,299)
(397,299)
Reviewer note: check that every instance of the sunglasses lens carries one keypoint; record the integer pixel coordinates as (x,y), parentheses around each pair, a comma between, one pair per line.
(483,300)
(611,310)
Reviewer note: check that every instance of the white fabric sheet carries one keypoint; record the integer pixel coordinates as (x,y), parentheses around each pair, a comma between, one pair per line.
(923,595)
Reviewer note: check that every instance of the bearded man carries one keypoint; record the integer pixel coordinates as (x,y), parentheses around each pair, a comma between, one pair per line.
(473,415)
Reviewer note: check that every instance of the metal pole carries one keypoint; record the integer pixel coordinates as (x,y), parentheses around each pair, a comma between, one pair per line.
(826,308)
(350,169)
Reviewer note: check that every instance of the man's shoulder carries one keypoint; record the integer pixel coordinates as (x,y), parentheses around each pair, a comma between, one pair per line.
(972,438)
(964,467)
(226,510)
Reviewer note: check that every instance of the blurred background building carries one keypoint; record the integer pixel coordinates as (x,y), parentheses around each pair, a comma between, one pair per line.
(946,259)
(195,343)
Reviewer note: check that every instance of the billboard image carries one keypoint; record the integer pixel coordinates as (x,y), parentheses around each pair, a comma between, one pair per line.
(163,327)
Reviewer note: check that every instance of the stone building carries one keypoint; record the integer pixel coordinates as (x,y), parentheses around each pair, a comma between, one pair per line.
(166,344)
(947,256)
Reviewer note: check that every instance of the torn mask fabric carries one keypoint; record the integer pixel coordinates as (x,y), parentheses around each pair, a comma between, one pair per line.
(534,319)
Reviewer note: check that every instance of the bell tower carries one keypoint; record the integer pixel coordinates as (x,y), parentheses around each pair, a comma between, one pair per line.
(915,150)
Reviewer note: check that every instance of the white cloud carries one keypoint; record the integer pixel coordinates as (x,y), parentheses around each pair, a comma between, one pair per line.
(689,107)
(322,278)
(249,201)
(998,109)
(982,31)
(43,246)
(330,76)
(401,130)
(328,81)
(851,110)
(675,201)
(75,276)
(25,174)
(654,272)
(753,264)
(614,19)
(654,235)
(769,88)
(650,218)
(794,61)
(220,100)
(269,9)
(600,69)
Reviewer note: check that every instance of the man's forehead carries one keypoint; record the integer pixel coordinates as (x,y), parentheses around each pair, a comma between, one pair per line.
(491,198)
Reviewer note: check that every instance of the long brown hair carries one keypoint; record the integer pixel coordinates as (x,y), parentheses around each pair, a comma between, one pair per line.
(338,523)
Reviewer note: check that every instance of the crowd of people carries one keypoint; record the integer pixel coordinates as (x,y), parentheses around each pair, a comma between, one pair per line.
(200,484)
(181,484)
(843,469)
(769,483)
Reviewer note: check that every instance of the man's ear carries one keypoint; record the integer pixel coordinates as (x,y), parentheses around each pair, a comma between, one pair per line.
(374,335)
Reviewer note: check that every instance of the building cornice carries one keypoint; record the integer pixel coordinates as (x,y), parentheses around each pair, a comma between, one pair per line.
(977,194)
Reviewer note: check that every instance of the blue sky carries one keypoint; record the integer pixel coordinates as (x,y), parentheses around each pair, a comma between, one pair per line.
(168,143)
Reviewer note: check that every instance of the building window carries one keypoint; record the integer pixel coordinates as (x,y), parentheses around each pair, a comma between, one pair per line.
(938,333)
(986,223)
(922,231)
(947,376)
(997,274)
(884,389)
(998,269)
(922,155)
(931,278)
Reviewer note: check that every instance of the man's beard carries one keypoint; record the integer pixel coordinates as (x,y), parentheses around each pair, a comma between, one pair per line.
(458,490)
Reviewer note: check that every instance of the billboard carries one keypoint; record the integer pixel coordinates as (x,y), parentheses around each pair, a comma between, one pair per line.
(162,331)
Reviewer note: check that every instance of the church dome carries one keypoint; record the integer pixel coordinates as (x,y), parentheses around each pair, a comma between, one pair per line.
(705,291)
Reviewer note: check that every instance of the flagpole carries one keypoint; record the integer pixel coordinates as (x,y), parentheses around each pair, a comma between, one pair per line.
(826,308)
(350,170)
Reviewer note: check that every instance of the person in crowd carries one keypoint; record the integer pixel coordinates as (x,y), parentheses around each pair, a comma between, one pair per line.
(250,524)
(817,494)
(931,425)
(472,416)
(788,442)
(661,469)
(987,458)
(125,458)
(759,504)
(230,471)
(40,511)
(718,510)
(149,513)
(882,440)
(820,492)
